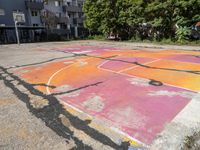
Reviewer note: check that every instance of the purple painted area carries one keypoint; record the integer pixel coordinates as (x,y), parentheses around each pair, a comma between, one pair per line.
(119,65)
(128,104)
(185,58)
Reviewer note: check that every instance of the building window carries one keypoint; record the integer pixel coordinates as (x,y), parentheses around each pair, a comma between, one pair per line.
(57,3)
(35,25)
(80,4)
(80,24)
(58,14)
(58,26)
(80,15)
(2,12)
(46,2)
(34,13)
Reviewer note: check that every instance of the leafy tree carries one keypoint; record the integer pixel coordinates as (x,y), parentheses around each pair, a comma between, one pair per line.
(145,18)
(92,12)
(181,34)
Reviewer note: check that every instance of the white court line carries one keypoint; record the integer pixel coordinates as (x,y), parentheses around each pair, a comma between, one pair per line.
(52,76)
(82,52)
(132,76)
(102,64)
(80,111)
(99,67)
(136,66)
(114,129)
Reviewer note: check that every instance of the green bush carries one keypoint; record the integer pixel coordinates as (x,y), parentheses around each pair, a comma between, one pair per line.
(135,39)
(182,33)
(57,37)
(166,41)
(96,37)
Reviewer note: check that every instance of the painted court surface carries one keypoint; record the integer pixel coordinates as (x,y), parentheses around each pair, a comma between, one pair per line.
(136,91)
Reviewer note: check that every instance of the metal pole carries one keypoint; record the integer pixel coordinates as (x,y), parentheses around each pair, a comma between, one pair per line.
(17,33)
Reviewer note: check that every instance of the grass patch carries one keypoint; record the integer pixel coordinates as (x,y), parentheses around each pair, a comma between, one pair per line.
(96,37)
(192,142)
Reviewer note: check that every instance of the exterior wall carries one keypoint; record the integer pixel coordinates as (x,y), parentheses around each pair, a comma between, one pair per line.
(35,19)
(57,10)
(9,6)
(51,7)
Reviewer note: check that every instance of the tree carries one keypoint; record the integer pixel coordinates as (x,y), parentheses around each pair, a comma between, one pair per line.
(145,18)
(92,9)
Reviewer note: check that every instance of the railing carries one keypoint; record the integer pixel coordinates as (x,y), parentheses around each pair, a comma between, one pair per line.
(38,5)
(72,9)
(63,20)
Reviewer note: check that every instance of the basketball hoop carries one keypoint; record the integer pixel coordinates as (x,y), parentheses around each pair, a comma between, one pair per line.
(19,17)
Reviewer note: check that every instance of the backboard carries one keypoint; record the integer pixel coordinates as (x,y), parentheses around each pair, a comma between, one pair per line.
(2,12)
(19,17)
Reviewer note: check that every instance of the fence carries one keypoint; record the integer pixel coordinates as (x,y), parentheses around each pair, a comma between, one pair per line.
(39,34)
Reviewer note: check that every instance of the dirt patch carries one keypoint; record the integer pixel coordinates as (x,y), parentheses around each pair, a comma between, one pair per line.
(124,113)
(37,102)
(66,88)
(94,103)
(192,142)
(139,82)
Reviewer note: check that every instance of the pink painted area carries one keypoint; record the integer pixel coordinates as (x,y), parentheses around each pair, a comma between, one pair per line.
(185,58)
(131,107)
(120,65)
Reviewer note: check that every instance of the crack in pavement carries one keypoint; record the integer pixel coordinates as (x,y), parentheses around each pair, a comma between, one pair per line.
(77,89)
(50,114)
(197,72)
(43,62)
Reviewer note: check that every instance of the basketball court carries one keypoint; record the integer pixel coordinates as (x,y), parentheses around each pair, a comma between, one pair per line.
(138,92)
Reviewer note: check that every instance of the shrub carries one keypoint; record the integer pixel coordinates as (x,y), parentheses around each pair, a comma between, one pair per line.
(96,37)
(182,34)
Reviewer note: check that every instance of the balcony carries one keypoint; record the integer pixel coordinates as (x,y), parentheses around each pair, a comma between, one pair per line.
(34,5)
(80,20)
(72,9)
(63,20)
(77,21)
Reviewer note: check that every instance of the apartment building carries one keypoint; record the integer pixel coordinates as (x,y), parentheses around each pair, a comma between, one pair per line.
(68,16)
(34,8)
(30,8)
(69,13)
(29,28)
